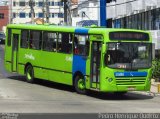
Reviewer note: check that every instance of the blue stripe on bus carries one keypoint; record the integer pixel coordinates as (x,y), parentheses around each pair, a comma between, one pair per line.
(79,64)
(81,31)
(130,74)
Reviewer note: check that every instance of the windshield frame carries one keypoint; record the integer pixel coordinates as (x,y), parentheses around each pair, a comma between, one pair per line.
(131,68)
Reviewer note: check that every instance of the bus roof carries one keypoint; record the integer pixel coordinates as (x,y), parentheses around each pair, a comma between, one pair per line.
(71,28)
(80,30)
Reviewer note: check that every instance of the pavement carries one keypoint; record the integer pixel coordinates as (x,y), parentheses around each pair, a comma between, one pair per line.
(155,87)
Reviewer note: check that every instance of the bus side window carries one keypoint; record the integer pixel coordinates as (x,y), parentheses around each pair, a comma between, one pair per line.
(76,51)
(49,41)
(81,45)
(65,43)
(35,40)
(24,38)
(9,34)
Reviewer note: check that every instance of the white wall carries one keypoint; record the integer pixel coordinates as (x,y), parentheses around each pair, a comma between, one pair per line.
(131,7)
(156,38)
(17,9)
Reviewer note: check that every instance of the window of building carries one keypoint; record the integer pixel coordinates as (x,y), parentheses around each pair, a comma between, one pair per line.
(81,45)
(51,15)
(1,15)
(60,15)
(9,37)
(52,4)
(40,4)
(154,19)
(132,21)
(40,15)
(29,15)
(146,20)
(64,44)
(24,38)
(35,40)
(60,3)
(150,20)
(56,15)
(22,15)
(129,22)
(56,3)
(49,3)
(139,21)
(22,3)
(143,21)
(14,3)
(158,19)
(124,22)
(136,21)
(14,15)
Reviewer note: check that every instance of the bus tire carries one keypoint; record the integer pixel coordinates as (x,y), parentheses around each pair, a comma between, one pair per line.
(79,84)
(29,72)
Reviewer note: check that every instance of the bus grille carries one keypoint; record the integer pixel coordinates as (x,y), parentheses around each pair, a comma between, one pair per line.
(131,81)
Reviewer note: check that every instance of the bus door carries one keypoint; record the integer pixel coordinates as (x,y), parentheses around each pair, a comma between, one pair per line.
(15,42)
(95,64)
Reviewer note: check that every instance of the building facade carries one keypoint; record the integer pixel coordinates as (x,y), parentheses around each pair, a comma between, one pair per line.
(139,14)
(85,13)
(4,19)
(21,11)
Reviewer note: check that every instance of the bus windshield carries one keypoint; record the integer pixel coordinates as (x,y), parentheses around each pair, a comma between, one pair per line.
(129,55)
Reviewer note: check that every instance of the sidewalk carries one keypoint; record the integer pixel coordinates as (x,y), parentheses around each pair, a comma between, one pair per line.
(154,87)
(153,91)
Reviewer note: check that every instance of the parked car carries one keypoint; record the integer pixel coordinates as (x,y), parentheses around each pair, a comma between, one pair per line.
(2,38)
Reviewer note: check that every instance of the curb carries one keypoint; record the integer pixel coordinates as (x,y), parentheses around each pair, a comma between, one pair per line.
(154,94)
(155,84)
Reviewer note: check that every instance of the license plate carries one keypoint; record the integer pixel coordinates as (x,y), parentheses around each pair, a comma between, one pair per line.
(131,88)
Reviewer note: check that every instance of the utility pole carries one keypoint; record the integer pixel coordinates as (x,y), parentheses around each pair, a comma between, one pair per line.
(32,10)
(69,5)
(102,14)
(47,11)
(65,12)
(43,10)
(10,10)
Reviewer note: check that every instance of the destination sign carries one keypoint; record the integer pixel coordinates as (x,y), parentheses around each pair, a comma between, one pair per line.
(128,35)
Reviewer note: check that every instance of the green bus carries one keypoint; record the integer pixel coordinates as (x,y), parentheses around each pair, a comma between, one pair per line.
(100,59)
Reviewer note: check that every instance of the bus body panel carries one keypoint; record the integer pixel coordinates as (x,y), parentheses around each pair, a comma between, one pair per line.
(11,59)
(128,83)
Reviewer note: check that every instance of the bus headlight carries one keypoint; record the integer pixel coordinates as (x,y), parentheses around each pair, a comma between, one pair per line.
(110,80)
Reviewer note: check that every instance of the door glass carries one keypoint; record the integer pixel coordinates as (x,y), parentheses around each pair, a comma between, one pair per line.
(96,56)
(15,42)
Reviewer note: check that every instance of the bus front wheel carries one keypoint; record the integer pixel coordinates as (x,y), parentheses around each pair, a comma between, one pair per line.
(29,74)
(79,84)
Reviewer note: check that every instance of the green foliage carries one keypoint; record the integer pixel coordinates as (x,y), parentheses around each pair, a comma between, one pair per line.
(156,68)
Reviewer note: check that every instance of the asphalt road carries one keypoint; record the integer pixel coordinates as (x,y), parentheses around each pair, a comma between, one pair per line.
(18,96)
